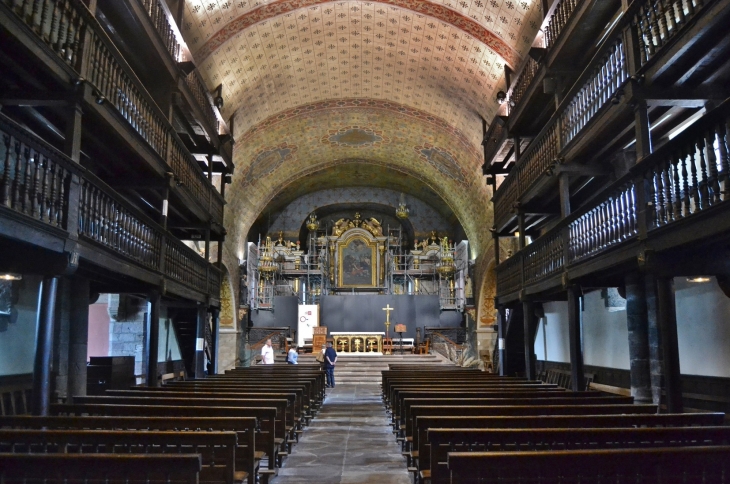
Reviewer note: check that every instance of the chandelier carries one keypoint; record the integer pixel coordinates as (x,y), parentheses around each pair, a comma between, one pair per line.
(402,211)
(312,222)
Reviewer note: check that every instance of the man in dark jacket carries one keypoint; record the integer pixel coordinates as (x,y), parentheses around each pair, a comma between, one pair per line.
(330,358)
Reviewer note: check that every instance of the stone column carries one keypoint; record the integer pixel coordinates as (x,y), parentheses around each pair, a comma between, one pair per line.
(78,337)
(44,346)
(636,318)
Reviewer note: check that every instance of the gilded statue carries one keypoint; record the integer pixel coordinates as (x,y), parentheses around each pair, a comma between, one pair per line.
(280,240)
(341,226)
(373,226)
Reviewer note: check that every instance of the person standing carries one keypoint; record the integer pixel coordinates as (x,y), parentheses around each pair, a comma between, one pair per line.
(292,356)
(330,358)
(267,353)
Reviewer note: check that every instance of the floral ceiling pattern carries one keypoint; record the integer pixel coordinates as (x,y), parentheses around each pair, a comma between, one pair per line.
(312,84)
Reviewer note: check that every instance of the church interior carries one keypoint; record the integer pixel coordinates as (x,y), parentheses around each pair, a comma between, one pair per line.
(523,200)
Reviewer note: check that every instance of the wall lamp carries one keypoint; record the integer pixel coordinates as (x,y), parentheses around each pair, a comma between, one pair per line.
(501,97)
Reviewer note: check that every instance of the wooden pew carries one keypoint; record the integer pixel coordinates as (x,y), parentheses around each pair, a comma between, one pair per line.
(402,396)
(81,468)
(658,465)
(520,411)
(247,458)
(444,441)
(284,418)
(266,437)
(217,449)
(426,424)
(535,399)
(513,391)
(395,387)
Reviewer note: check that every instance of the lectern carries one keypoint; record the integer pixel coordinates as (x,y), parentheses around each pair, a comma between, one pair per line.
(400,329)
(319,338)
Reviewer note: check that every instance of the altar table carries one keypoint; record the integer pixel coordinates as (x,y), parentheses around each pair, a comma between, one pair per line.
(358,341)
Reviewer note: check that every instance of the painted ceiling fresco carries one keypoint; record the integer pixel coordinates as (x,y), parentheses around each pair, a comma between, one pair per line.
(311,85)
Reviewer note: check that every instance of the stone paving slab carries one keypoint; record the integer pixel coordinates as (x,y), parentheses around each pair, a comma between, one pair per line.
(349,442)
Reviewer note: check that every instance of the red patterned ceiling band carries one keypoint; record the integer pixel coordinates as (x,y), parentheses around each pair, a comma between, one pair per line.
(440,12)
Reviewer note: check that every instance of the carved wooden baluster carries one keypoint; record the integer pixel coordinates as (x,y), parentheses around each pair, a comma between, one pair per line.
(666,182)
(53,193)
(35,190)
(123,232)
(74,40)
(43,190)
(648,33)
(722,147)
(657,186)
(679,12)
(36,16)
(713,182)
(45,20)
(671,18)
(27,182)
(6,171)
(694,184)
(55,19)
(624,215)
(83,212)
(674,165)
(61,40)
(663,31)
(690,8)
(62,202)
(703,187)
(685,184)
(17,177)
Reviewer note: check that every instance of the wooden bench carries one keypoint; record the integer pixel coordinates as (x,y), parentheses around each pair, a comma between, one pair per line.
(444,441)
(102,468)
(247,458)
(284,419)
(410,403)
(424,425)
(266,436)
(465,385)
(617,466)
(217,449)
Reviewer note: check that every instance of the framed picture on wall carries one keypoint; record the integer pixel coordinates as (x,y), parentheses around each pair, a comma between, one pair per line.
(357,263)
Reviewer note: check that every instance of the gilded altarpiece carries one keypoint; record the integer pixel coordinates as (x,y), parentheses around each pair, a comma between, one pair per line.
(358,249)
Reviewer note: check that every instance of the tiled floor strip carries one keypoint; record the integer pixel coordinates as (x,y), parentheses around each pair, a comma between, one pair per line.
(349,442)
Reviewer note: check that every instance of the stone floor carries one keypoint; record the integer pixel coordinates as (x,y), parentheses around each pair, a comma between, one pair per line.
(349,442)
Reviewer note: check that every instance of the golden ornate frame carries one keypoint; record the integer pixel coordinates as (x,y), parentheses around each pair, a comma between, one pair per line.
(372,245)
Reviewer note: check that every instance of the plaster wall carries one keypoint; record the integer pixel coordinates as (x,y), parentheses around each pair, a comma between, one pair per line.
(99,321)
(17,342)
(703,328)
(703,331)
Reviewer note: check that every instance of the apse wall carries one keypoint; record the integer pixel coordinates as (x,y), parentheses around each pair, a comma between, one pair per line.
(703,312)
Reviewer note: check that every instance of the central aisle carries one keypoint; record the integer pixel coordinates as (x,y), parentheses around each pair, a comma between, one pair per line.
(349,442)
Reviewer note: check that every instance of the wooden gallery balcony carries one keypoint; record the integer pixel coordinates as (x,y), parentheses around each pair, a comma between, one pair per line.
(669,210)
(63,54)
(587,183)
(74,217)
(640,61)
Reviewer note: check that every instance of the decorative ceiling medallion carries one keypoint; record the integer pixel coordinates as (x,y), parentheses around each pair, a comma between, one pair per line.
(355,136)
(442,160)
(268,160)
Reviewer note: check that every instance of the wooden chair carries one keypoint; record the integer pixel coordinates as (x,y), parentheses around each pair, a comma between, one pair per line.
(424,348)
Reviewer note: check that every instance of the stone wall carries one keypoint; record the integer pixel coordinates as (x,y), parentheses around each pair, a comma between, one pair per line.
(127,329)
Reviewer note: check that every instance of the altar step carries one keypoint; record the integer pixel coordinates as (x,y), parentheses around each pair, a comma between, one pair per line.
(361,369)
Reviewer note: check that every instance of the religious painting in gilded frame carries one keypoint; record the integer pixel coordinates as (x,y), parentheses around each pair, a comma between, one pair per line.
(357,263)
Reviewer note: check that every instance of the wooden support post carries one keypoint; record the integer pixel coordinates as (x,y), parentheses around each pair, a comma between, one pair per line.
(152,337)
(199,362)
(575,331)
(501,326)
(78,337)
(667,318)
(656,358)
(44,346)
(636,318)
(564,187)
(521,229)
(528,310)
(642,133)
(216,322)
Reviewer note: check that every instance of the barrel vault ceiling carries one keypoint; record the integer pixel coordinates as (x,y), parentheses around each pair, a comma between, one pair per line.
(395,88)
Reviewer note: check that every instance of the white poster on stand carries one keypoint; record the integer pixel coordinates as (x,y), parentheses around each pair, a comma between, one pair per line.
(308,319)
